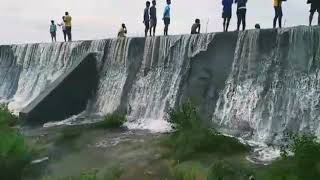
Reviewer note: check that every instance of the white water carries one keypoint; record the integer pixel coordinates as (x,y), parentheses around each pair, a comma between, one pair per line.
(273,86)
(269,92)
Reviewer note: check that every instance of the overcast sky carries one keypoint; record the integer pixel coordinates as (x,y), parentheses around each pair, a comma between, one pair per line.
(25,21)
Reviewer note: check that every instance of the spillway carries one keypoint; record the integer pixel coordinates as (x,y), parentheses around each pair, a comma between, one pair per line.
(256,83)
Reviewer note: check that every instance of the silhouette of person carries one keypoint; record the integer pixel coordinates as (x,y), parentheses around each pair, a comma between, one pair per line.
(195,29)
(64,31)
(226,13)
(153,18)
(314,6)
(67,20)
(241,13)
(146,18)
(166,17)
(123,31)
(277,4)
(53,31)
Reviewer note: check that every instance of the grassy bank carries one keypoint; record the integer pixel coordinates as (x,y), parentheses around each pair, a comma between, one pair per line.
(191,138)
(14,152)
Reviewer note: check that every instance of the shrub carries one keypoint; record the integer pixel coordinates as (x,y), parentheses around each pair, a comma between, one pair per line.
(90,175)
(188,171)
(14,154)
(184,117)
(306,150)
(226,171)
(114,120)
(191,137)
(6,117)
(113,173)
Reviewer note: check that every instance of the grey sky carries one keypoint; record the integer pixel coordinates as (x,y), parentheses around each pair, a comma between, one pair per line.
(28,20)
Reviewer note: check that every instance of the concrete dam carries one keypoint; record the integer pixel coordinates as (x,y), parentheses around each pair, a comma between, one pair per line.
(255,84)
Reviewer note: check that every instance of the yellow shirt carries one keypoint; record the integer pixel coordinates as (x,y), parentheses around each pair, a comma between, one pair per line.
(277,3)
(67,21)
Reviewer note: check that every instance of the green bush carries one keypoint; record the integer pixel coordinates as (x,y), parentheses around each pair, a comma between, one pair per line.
(184,117)
(113,173)
(6,117)
(306,150)
(304,164)
(191,137)
(227,171)
(114,120)
(14,154)
(278,170)
(188,171)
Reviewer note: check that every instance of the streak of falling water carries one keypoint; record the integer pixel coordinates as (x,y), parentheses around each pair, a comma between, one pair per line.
(33,67)
(158,83)
(269,92)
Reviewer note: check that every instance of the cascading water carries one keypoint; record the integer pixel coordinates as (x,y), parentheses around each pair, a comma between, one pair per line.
(272,86)
(30,68)
(145,80)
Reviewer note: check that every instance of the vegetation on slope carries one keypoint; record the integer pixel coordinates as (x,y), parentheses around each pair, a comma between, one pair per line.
(14,153)
(191,137)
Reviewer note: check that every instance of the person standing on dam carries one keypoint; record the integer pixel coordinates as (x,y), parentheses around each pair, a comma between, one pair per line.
(53,31)
(226,13)
(314,6)
(123,31)
(63,27)
(195,29)
(146,19)
(67,20)
(241,13)
(166,17)
(277,4)
(153,18)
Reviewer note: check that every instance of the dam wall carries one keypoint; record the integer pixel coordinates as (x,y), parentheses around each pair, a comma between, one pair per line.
(255,84)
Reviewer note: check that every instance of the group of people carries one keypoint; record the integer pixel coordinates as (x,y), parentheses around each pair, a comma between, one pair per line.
(150,18)
(242,10)
(65,26)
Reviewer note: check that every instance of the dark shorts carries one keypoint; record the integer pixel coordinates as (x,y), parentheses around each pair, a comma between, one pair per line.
(53,34)
(315,7)
(166,21)
(278,11)
(241,13)
(153,22)
(227,14)
(147,24)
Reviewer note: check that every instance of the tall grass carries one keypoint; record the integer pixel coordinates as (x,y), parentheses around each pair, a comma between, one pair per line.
(114,120)
(14,153)
(191,137)
(7,119)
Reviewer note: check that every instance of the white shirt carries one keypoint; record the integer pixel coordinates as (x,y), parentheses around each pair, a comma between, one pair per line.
(63,26)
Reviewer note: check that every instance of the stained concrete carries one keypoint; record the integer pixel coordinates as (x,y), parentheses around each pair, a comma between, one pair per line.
(66,96)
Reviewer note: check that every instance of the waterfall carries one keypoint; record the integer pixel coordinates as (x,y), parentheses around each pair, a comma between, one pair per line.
(255,84)
(144,77)
(274,84)
(30,68)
